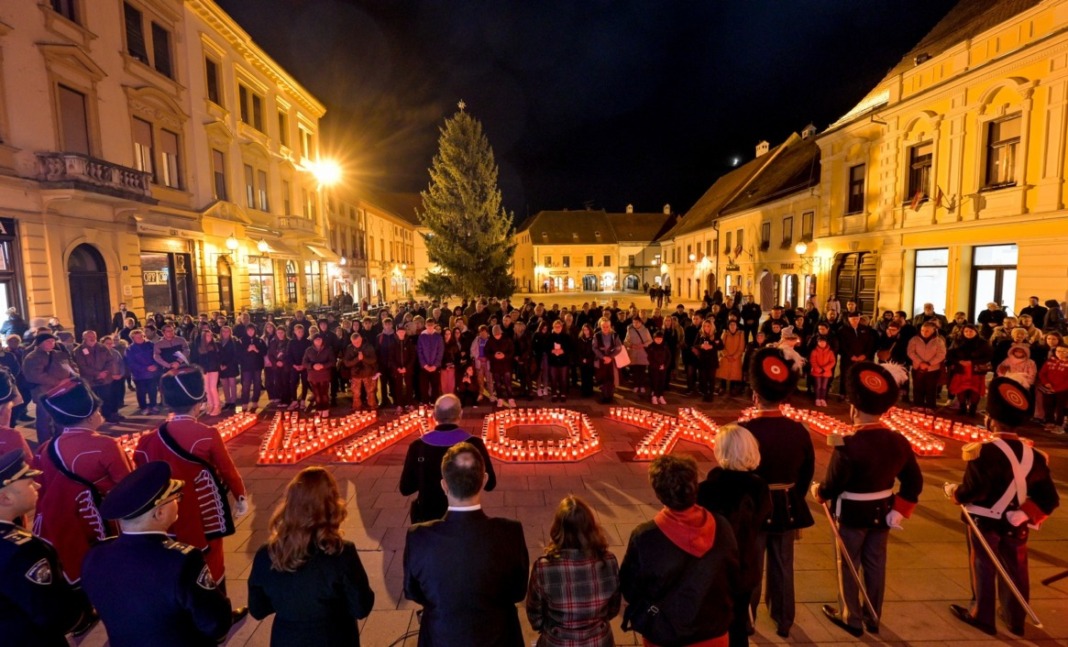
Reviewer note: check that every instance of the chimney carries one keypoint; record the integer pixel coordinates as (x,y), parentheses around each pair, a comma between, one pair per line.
(762,148)
(809,131)
(630,208)
(667,209)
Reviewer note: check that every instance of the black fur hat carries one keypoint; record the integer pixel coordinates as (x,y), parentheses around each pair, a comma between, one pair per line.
(772,375)
(183,387)
(871,388)
(1008,402)
(70,402)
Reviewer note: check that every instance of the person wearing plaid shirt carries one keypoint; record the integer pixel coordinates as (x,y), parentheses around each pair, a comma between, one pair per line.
(573,591)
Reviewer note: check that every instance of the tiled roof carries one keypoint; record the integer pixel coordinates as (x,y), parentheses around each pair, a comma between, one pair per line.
(640,227)
(708,206)
(570,228)
(795,168)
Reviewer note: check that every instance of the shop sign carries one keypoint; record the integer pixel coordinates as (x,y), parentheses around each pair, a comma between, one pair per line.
(154,277)
(732,267)
(786,266)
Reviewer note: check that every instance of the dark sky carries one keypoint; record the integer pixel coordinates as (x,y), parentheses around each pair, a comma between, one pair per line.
(585,102)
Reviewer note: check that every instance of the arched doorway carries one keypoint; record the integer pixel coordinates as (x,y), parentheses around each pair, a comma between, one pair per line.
(90,302)
(589,283)
(631,282)
(789,290)
(226,285)
(855,278)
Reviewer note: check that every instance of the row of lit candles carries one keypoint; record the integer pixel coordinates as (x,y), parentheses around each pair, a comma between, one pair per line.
(696,426)
(228,428)
(375,440)
(943,427)
(581,440)
(663,434)
(290,439)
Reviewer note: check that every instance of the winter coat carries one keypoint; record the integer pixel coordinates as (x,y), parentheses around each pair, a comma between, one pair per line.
(252,361)
(932,351)
(822,361)
(564,341)
(707,358)
(730,362)
(277,351)
(430,348)
(91,360)
(635,343)
(323,357)
(207,358)
(139,360)
(659,357)
(1023,371)
(228,352)
(361,362)
(504,346)
(1054,373)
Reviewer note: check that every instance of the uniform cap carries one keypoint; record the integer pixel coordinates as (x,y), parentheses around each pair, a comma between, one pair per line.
(772,375)
(1008,402)
(70,402)
(13,467)
(871,388)
(42,337)
(183,387)
(7,386)
(142,490)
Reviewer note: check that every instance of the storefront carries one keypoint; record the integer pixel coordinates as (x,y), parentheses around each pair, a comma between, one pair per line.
(168,277)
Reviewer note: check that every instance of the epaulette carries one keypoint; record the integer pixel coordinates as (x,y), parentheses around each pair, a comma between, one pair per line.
(835,440)
(970,451)
(17,536)
(184,549)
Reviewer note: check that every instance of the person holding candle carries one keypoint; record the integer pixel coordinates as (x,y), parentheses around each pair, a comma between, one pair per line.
(859,486)
(573,592)
(734,490)
(307,575)
(1008,490)
(787,463)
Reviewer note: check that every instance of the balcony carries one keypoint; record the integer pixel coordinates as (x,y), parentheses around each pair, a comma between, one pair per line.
(77,171)
(296,224)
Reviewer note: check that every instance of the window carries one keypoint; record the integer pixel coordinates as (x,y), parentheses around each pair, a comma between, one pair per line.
(170,169)
(1002,142)
(66,8)
(261,193)
(807,223)
(708,248)
(931,279)
(589,261)
(630,260)
(161,50)
(308,201)
(143,153)
(787,232)
(689,252)
(855,199)
(218,169)
(920,157)
(765,235)
(286,200)
(261,282)
(250,187)
(211,72)
(548,261)
(305,143)
(371,247)
(728,246)
(74,121)
(608,260)
(738,241)
(251,107)
(313,282)
(135,33)
(291,284)
(283,128)
(566,261)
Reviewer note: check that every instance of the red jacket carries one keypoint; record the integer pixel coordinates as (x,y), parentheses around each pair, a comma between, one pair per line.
(1055,373)
(822,361)
(203,510)
(67,515)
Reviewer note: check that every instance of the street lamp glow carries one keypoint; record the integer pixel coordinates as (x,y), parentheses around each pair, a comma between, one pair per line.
(693,258)
(801,248)
(263,246)
(327,172)
(664,268)
(342,261)
(231,243)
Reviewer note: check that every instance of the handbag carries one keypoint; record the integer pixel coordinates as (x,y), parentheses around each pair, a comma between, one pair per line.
(622,358)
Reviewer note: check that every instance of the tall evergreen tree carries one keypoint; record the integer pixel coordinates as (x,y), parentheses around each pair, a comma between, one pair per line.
(470,235)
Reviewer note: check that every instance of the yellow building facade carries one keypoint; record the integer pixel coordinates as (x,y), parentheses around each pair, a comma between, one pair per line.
(946,184)
(151,154)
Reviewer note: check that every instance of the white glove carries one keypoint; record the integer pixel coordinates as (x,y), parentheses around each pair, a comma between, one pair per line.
(893,519)
(241,506)
(949,489)
(814,490)
(1016,517)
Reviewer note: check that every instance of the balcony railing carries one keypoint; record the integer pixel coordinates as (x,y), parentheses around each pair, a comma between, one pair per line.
(296,223)
(83,172)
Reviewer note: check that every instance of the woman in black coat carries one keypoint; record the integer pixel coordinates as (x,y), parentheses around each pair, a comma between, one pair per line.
(294,366)
(251,357)
(310,578)
(736,492)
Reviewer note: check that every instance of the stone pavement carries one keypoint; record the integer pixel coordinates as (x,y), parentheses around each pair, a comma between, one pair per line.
(927,564)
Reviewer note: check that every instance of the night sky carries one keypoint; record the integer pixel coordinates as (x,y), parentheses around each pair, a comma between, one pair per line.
(596,103)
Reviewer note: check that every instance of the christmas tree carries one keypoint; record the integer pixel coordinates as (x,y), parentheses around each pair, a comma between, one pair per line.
(470,238)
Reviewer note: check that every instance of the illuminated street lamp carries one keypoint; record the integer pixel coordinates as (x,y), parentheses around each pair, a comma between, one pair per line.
(693,258)
(664,268)
(801,248)
(342,261)
(327,172)
(263,246)
(232,244)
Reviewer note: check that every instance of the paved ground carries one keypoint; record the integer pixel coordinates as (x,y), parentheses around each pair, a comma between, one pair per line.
(927,564)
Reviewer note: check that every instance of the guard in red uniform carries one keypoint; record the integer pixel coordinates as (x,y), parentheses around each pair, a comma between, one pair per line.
(787,463)
(1008,491)
(860,486)
(198,456)
(10,438)
(79,466)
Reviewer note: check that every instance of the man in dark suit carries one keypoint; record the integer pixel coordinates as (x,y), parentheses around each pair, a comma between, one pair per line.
(118,320)
(468,570)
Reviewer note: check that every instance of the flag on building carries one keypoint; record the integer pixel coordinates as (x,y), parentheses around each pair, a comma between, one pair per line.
(916,200)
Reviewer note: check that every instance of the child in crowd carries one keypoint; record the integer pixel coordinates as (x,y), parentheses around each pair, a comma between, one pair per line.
(1019,366)
(822,362)
(1053,389)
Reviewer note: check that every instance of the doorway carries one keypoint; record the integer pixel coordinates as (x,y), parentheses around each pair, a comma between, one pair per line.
(855,278)
(789,284)
(90,302)
(994,277)
(631,283)
(226,286)
(589,283)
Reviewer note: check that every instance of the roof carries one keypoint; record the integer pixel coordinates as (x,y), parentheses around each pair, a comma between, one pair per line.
(595,227)
(708,206)
(967,19)
(400,205)
(795,168)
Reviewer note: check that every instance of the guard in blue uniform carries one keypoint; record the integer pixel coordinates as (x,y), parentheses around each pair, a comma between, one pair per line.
(37,605)
(1008,491)
(787,463)
(148,588)
(860,486)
